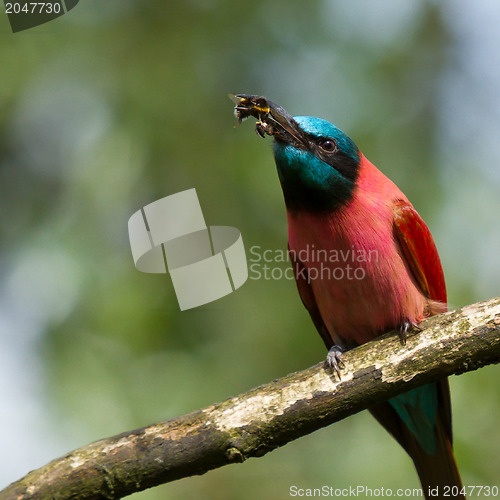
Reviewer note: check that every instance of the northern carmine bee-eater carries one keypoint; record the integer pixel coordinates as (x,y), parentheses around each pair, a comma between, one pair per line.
(337,201)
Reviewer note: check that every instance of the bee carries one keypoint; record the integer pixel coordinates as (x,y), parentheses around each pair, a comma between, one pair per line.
(250,105)
(272,119)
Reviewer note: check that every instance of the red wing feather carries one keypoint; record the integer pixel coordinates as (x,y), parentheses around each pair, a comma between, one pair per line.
(419,250)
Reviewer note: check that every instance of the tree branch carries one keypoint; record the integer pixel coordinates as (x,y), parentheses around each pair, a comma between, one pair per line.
(254,423)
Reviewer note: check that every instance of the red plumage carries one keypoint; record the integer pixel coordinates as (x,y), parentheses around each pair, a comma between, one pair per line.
(386,292)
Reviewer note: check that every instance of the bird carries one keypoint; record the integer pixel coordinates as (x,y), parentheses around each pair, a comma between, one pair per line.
(339,203)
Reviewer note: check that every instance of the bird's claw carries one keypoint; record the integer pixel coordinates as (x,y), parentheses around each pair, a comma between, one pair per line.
(403,330)
(334,360)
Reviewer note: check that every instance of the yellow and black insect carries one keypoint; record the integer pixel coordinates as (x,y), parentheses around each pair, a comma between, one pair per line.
(272,119)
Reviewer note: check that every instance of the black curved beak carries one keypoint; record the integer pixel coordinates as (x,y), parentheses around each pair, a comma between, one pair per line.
(272,119)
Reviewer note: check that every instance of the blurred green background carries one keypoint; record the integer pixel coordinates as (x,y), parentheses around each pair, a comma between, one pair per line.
(122,102)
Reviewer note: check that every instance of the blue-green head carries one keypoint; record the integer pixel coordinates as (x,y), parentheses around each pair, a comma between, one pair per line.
(317,164)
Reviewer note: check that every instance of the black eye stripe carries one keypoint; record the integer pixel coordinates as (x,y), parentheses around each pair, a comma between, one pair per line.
(337,158)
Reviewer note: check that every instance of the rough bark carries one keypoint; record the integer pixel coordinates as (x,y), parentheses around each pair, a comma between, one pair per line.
(254,423)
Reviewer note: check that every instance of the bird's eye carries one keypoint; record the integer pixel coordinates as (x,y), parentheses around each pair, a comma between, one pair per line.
(328,145)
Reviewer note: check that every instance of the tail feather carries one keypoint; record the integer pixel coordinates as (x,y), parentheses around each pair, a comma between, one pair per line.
(438,470)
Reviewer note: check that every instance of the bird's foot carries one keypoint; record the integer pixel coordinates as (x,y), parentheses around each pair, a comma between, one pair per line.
(334,359)
(403,329)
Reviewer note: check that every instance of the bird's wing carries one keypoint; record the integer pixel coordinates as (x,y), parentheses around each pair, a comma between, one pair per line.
(422,257)
(308,299)
(419,251)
